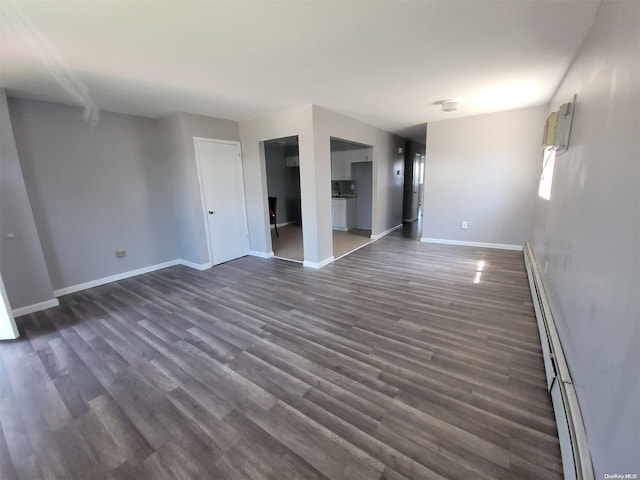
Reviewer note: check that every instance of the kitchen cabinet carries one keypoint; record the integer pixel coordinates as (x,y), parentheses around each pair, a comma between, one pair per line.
(341,162)
(340,165)
(344,213)
(352,213)
(339,213)
(361,155)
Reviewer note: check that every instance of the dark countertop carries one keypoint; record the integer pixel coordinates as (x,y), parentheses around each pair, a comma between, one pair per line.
(345,195)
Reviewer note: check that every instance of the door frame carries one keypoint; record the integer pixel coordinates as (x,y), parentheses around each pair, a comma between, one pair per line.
(203,200)
(8,328)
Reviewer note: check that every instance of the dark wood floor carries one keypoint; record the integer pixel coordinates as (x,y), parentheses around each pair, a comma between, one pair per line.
(391,363)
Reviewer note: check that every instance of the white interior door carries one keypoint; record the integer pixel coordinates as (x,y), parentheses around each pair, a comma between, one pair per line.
(8,329)
(222,185)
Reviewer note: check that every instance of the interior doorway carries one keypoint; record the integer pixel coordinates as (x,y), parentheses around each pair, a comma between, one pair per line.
(413,181)
(282,163)
(223,200)
(351,195)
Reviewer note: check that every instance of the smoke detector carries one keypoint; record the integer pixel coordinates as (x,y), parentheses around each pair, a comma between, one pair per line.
(449,106)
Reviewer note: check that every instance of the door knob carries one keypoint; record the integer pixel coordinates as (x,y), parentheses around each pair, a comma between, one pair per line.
(211,212)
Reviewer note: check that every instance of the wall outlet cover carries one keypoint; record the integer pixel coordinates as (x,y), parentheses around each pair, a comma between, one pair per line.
(464,225)
(121,253)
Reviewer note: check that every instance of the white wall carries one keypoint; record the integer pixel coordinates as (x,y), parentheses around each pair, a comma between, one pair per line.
(21,259)
(483,170)
(589,234)
(177,132)
(387,184)
(315,126)
(295,121)
(94,190)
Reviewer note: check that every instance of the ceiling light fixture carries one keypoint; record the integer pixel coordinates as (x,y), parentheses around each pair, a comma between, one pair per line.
(449,106)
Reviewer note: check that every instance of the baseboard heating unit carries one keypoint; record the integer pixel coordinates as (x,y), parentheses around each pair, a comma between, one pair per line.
(576,459)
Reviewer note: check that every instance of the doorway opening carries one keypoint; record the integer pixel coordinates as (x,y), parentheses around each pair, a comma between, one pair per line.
(282,163)
(414,158)
(351,195)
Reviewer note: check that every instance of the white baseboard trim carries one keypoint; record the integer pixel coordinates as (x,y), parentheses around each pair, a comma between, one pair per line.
(500,246)
(255,253)
(320,264)
(197,266)
(340,229)
(114,278)
(131,273)
(36,307)
(386,232)
(574,448)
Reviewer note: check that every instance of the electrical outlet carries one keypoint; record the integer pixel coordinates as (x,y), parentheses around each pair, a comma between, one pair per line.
(121,253)
(464,225)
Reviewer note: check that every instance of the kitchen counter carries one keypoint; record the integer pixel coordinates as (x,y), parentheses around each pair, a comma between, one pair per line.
(344,195)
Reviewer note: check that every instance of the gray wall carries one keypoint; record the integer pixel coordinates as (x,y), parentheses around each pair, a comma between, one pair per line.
(314,127)
(362,175)
(21,259)
(94,190)
(483,170)
(283,183)
(387,184)
(287,123)
(177,149)
(588,234)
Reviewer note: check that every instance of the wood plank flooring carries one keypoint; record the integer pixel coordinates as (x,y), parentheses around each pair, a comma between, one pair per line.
(388,364)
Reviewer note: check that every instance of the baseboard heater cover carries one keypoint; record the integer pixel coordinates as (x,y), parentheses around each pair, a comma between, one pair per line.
(576,459)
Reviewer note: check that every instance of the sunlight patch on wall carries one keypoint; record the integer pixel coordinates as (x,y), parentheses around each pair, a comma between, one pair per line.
(548,163)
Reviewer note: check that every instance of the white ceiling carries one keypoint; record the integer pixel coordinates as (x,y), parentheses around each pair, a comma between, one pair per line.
(384,63)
